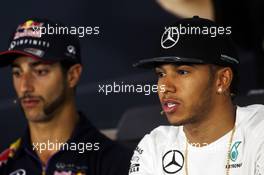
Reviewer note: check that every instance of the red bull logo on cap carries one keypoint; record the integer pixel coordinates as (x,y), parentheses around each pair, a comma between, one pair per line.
(29,24)
(29,29)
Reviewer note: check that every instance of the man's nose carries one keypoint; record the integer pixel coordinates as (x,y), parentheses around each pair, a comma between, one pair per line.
(168,84)
(27,83)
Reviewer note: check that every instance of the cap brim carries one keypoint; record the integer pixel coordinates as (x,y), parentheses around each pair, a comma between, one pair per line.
(7,57)
(154,62)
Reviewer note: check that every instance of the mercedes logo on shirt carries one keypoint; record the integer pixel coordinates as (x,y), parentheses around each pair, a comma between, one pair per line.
(18,172)
(170,37)
(172,161)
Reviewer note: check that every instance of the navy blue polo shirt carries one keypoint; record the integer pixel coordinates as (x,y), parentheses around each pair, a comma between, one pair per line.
(87,152)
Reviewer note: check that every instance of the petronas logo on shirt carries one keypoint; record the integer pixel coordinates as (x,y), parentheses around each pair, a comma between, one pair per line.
(234,151)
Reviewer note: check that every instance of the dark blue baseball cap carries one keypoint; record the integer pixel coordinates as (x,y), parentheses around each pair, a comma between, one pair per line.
(42,39)
(194,41)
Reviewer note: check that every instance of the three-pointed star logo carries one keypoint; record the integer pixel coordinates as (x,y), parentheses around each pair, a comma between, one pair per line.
(172,161)
(19,172)
(170,37)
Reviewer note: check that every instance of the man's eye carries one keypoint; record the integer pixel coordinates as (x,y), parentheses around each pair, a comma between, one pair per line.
(182,72)
(15,73)
(42,72)
(160,74)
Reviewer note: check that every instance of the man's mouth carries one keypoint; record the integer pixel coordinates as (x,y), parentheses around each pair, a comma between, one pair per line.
(30,102)
(170,105)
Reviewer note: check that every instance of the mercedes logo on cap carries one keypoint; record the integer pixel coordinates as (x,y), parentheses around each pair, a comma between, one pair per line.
(172,161)
(170,37)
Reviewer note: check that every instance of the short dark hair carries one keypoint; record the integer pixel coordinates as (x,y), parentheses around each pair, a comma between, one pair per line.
(66,65)
(234,84)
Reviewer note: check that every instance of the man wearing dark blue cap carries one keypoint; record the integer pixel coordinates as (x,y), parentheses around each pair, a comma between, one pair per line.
(197,66)
(46,69)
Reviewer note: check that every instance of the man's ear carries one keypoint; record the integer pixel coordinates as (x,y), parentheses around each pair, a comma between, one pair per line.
(224,79)
(74,74)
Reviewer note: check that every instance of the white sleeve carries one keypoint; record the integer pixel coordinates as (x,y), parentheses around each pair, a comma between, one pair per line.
(260,161)
(142,162)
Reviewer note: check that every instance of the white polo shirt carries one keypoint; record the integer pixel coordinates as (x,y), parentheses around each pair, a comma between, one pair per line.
(162,152)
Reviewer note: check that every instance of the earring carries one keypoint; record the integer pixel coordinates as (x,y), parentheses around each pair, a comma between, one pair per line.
(219,91)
